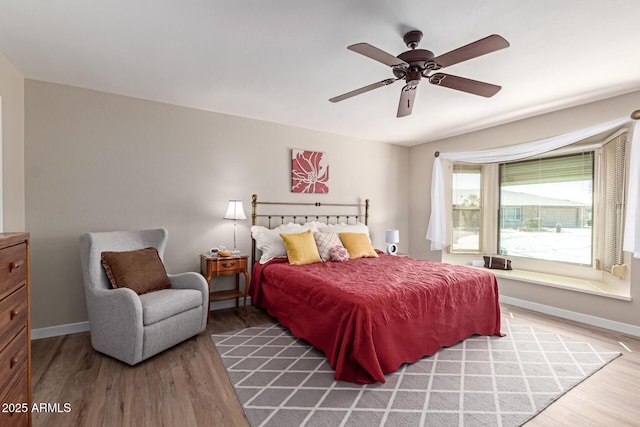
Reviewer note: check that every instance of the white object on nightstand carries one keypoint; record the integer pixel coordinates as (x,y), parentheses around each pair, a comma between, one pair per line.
(392,237)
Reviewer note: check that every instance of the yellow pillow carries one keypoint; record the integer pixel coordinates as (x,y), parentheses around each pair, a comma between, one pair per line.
(301,248)
(358,245)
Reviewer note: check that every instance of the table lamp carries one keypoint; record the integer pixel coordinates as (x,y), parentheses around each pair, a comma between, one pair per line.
(235,211)
(392,238)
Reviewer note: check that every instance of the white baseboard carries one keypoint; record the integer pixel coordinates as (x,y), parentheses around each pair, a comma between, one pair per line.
(72,328)
(624,328)
(55,331)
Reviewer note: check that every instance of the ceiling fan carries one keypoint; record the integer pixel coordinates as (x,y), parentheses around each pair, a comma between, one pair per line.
(414,64)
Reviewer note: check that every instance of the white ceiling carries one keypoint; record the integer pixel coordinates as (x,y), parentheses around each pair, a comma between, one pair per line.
(281,60)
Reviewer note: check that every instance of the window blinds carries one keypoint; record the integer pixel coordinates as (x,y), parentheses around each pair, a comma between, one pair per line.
(615,152)
(575,167)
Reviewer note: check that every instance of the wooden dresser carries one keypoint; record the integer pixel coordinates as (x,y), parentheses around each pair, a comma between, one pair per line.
(15,331)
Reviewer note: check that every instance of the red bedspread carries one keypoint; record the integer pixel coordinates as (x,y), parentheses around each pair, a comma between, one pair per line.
(370,315)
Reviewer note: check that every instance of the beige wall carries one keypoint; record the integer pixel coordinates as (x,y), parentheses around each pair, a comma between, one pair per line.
(557,123)
(97,161)
(13,196)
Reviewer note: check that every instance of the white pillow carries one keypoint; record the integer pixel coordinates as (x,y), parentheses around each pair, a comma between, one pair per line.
(314,225)
(269,242)
(344,228)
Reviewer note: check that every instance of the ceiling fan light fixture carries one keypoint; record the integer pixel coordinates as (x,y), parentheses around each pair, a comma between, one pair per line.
(413,76)
(399,72)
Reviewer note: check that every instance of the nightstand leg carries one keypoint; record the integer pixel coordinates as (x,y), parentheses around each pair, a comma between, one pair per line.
(237,289)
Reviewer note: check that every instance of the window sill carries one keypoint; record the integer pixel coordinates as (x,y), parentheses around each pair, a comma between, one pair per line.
(578,285)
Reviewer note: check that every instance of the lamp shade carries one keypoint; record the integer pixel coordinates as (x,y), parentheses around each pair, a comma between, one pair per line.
(235,210)
(392,236)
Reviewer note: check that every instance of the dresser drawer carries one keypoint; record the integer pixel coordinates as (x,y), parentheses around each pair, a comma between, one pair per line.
(13,359)
(13,267)
(15,404)
(13,315)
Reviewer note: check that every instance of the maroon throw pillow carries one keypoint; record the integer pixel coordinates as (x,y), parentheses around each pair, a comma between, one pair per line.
(339,253)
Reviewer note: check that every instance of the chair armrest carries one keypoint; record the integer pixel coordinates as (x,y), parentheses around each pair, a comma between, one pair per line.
(189,280)
(110,302)
(115,317)
(193,280)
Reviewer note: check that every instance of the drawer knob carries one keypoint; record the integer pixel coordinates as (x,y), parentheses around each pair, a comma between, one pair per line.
(14,360)
(228,264)
(15,265)
(14,313)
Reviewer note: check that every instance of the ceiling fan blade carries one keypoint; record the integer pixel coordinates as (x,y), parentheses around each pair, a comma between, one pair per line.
(378,54)
(465,85)
(472,50)
(362,90)
(405,106)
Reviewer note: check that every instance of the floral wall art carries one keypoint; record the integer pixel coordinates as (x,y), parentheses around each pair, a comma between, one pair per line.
(309,172)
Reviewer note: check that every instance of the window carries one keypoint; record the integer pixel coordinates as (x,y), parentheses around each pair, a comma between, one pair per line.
(466,208)
(511,213)
(566,206)
(553,198)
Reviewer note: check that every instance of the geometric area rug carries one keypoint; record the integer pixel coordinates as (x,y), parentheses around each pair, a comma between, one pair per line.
(483,381)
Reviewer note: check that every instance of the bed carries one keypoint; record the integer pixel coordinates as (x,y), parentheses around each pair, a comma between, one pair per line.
(371,314)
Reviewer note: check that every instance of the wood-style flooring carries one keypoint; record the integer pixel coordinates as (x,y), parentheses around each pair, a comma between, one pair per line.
(187,385)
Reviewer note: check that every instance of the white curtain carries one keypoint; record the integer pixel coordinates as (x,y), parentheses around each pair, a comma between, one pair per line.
(631,239)
(438,225)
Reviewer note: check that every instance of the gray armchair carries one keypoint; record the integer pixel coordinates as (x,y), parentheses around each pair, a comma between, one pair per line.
(132,327)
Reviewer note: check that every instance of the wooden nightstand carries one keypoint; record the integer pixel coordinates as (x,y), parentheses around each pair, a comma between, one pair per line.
(211,265)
